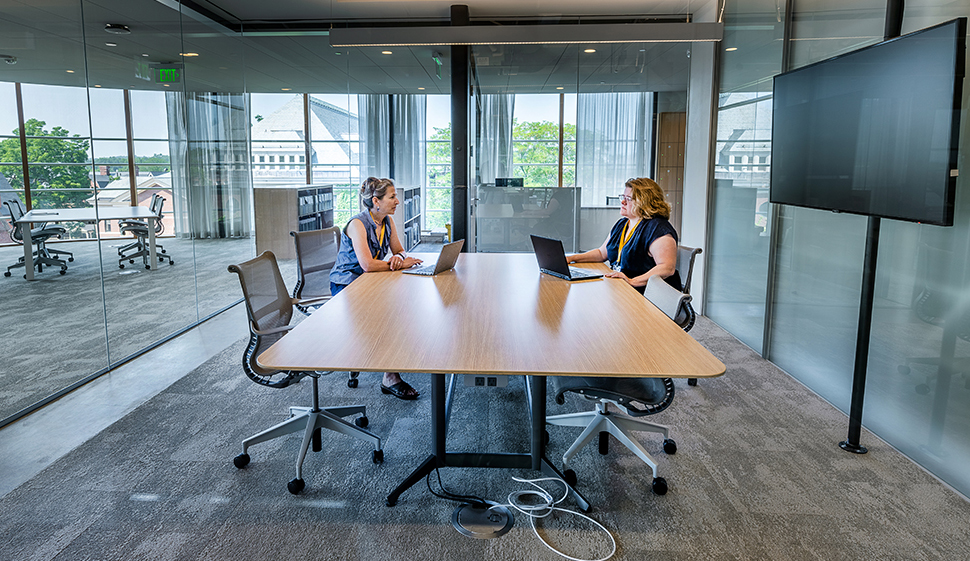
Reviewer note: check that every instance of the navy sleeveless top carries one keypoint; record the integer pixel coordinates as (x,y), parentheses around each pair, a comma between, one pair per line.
(347,268)
(636,258)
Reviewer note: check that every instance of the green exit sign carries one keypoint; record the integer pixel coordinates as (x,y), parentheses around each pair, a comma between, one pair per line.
(168,75)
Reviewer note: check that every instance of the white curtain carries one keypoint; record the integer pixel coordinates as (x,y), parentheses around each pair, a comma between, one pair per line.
(614,142)
(405,116)
(211,181)
(495,144)
(410,134)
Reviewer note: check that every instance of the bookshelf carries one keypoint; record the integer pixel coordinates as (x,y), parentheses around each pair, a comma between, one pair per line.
(281,209)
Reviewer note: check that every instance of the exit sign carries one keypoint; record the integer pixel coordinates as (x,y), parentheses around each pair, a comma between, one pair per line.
(167,75)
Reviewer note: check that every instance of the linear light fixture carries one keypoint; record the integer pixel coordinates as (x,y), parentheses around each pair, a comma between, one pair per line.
(526,34)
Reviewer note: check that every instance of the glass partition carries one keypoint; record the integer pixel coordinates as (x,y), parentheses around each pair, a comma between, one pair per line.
(56,330)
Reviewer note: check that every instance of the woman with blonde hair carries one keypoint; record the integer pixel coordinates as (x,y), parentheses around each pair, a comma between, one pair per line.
(369,244)
(642,243)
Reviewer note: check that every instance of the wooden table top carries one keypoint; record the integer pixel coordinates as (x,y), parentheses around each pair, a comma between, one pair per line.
(493,313)
(88,214)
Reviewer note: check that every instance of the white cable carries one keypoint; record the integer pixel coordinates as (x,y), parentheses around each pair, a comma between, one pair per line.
(545,507)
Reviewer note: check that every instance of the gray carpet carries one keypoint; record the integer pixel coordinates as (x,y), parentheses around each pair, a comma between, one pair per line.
(757,475)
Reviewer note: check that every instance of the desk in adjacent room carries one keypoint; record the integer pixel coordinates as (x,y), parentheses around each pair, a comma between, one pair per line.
(86,215)
(492,314)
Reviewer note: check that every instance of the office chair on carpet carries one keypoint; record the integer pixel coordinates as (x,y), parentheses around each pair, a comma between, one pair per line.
(269,308)
(685,267)
(139,228)
(42,255)
(636,397)
(316,253)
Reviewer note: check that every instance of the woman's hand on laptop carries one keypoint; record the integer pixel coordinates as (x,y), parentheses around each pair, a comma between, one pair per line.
(399,262)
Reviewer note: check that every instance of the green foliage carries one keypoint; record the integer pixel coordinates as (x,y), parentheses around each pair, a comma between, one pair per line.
(50,154)
(119,164)
(535,153)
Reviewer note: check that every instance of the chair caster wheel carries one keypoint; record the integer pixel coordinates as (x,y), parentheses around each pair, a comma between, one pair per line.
(659,486)
(7,274)
(70,259)
(170,262)
(378,458)
(149,267)
(691,381)
(670,446)
(569,476)
(352,383)
(132,261)
(63,271)
(121,265)
(361,422)
(390,502)
(241,461)
(295,486)
(903,369)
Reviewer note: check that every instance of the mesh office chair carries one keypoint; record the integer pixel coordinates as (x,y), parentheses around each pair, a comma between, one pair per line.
(636,397)
(42,255)
(139,228)
(270,308)
(316,253)
(685,267)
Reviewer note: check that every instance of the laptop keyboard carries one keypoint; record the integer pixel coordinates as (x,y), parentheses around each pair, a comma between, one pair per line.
(577,273)
(426,270)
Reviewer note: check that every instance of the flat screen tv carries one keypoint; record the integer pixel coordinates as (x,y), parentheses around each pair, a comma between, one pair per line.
(875,131)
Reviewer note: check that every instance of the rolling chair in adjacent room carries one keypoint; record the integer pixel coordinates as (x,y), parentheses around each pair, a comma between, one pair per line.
(269,308)
(139,229)
(42,255)
(685,267)
(635,396)
(316,253)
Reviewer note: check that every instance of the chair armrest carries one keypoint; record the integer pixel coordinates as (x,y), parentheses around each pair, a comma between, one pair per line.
(280,329)
(310,301)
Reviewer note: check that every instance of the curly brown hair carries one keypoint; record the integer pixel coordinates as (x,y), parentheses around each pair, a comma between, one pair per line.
(647,198)
(374,187)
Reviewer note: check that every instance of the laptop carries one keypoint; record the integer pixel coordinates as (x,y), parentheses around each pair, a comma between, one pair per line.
(446,260)
(552,260)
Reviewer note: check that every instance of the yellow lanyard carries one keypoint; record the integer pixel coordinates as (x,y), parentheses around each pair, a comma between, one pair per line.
(380,236)
(625,237)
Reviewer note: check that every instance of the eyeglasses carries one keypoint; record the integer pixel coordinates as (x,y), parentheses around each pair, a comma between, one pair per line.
(625,198)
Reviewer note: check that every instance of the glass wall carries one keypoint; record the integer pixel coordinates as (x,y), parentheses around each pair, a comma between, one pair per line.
(918,390)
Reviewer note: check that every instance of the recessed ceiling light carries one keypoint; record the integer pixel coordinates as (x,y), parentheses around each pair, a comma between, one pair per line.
(117,28)
(386,53)
(97,85)
(70,71)
(590,51)
(559,87)
(188,54)
(420,88)
(729,49)
(110,44)
(285,89)
(144,54)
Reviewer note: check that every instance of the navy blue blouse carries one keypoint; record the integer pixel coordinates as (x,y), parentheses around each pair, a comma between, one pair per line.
(636,258)
(347,268)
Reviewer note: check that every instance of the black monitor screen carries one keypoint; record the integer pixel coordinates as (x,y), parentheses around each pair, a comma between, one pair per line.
(874,131)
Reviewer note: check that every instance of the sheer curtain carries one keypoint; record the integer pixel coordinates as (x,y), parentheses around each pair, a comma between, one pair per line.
(405,116)
(495,145)
(211,182)
(614,142)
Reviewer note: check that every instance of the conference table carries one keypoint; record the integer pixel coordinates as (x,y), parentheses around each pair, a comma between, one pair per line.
(89,215)
(493,314)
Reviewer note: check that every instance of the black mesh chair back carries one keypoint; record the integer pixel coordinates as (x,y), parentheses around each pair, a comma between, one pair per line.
(685,264)
(316,253)
(269,309)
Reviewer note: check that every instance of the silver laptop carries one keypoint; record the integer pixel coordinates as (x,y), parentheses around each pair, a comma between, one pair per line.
(552,260)
(446,260)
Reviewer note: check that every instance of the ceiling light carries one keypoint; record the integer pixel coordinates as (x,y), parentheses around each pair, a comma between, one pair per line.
(559,87)
(97,85)
(286,89)
(9,59)
(420,88)
(110,44)
(144,54)
(188,54)
(590,51)
(729,49)
(70,71)
(117,28)
(386,53)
